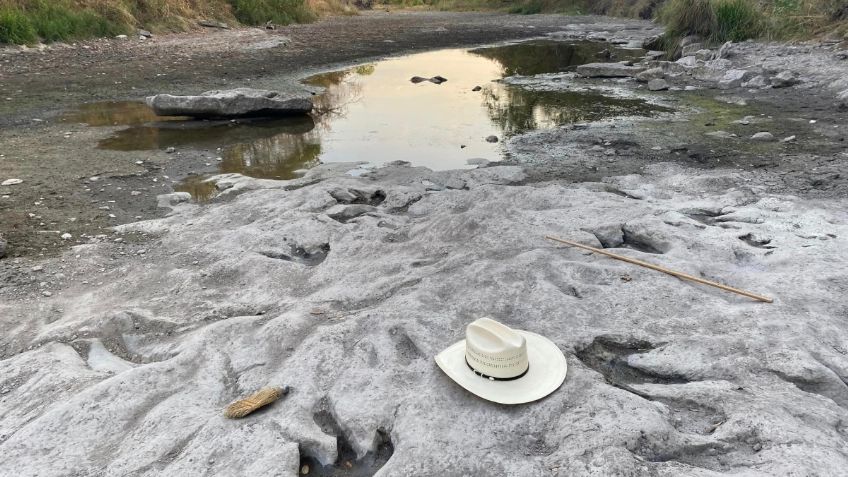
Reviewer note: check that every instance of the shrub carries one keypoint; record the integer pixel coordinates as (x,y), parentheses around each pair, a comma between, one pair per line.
(688,17)
(714,20)
(736,20)
(282,12)
(15,27)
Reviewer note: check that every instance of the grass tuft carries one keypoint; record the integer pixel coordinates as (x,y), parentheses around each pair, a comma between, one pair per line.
(15,27)
(281,12)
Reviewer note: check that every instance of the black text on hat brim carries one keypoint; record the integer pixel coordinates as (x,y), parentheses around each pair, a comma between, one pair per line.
(545,375)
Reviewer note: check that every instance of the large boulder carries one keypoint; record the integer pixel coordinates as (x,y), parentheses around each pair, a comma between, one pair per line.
(234,103)
(608,70)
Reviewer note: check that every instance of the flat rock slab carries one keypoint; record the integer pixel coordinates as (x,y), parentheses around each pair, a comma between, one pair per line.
(608,70)
(234,103)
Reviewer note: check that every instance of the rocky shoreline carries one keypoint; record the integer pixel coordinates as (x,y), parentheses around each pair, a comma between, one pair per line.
(344,284)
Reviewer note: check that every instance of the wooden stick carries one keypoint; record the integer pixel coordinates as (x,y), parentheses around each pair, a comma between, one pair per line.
(685,276)
(261,398)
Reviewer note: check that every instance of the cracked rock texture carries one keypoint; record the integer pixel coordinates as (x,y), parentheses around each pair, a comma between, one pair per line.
(344,288)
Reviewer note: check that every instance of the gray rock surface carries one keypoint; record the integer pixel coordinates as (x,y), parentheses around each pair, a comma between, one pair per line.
(691,49)
(234,103)
(608,70)
(3,246)
(758,81)
(726,51)
(658,84)
(265,287)
(764,136)
(688,61)
(734,78)
(650,74)
(784,79)
(705,54)
(172,199)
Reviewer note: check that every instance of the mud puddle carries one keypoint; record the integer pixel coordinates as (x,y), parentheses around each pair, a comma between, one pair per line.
(374,113)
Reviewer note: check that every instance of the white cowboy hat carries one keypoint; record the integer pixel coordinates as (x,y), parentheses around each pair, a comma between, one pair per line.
(504,365)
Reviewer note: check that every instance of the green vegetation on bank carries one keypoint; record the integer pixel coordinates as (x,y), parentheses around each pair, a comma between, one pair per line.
(29,21)
(737,20)
(716,20)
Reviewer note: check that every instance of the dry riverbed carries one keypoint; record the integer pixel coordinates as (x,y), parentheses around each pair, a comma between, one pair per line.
(118,352)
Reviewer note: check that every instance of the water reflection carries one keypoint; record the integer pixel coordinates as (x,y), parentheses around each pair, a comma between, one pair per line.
(548,56)
(517,110)
(200,190)
(203,134)
(278,157)
(374,113)
(114,113)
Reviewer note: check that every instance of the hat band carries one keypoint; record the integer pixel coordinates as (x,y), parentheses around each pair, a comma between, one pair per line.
(478,373)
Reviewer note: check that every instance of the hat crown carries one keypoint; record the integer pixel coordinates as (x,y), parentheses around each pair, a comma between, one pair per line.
(495,350)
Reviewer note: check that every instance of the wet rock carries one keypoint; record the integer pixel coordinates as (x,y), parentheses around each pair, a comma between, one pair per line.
(492,139)
(608,70)
(657,84)
(11,182)
(240,102)
(438,79)
(763,136)
(784,79)
(417,79)
(476,88)
(650,74)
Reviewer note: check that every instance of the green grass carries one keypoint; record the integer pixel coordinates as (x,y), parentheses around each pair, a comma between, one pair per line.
(282,12)
(30,21)
(15,27)
(53,21)
(737,20)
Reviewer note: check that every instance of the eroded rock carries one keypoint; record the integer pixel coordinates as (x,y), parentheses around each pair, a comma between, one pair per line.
(234,103)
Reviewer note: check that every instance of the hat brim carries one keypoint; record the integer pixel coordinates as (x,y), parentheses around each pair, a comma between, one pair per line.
(545,375)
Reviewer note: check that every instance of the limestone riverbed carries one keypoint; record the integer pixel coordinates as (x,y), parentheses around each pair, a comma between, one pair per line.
(119,351)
